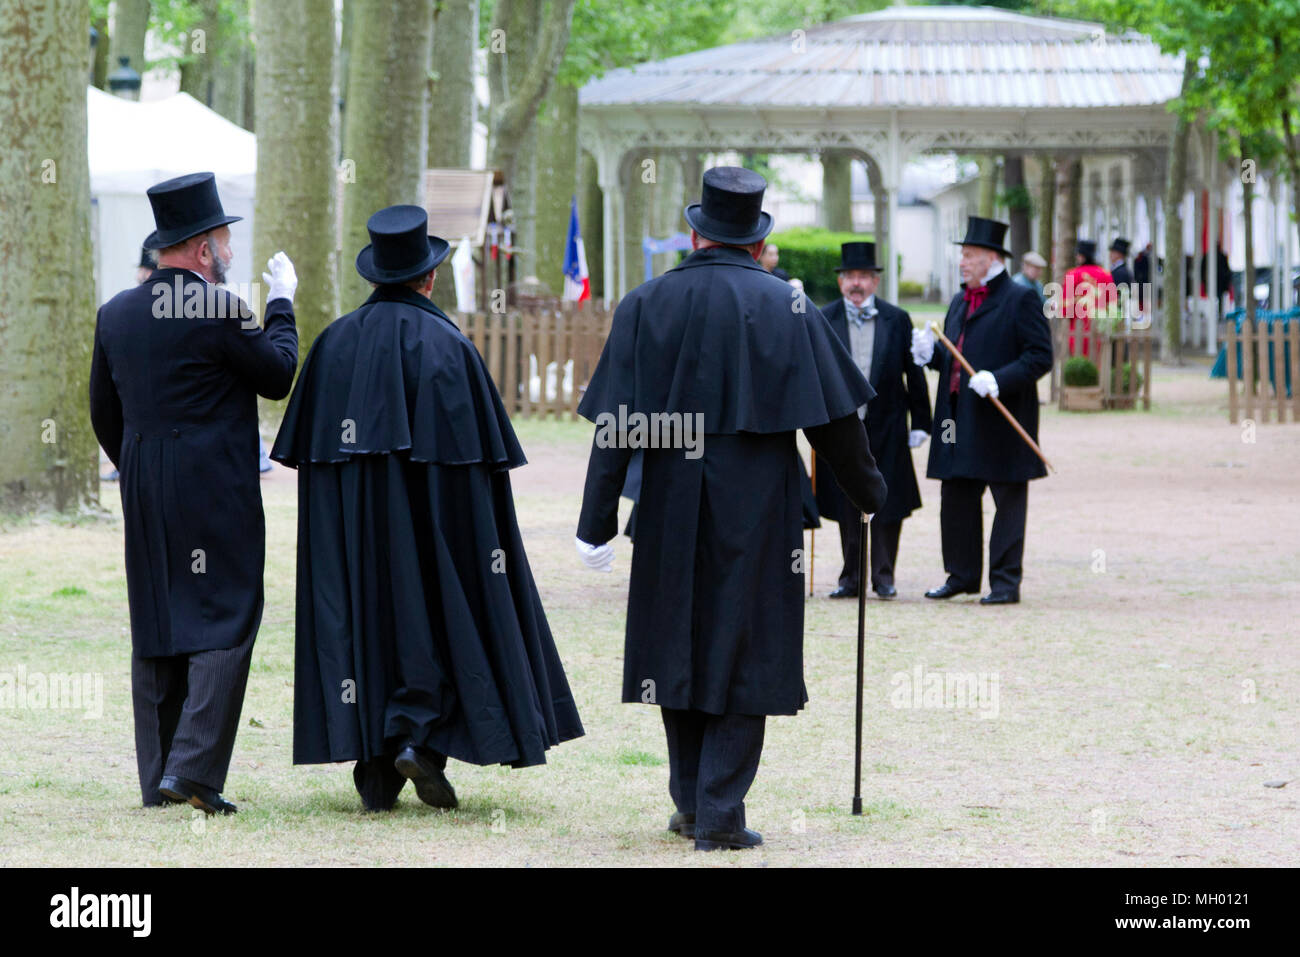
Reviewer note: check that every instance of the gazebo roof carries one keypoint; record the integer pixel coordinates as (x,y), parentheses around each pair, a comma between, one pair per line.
(949,57)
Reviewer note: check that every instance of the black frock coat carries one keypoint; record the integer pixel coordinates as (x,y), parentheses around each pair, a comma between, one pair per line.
(178,366)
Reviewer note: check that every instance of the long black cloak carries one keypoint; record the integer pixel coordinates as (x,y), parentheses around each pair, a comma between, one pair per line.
(417,614)
(715,601)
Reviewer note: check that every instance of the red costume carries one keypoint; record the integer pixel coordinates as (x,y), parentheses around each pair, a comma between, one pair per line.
(1084,289)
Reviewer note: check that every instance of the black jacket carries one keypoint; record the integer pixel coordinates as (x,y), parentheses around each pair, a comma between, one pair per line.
(900,393)
(178,366)
(1009,337)
(716,598)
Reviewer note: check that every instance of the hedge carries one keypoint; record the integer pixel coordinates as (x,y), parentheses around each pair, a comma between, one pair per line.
(811,254)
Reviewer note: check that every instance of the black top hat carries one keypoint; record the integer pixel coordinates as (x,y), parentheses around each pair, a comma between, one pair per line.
(730,209)
(1087,248)
(857,256)
(986,233)
(1120,246)
(401,248)
(184,207)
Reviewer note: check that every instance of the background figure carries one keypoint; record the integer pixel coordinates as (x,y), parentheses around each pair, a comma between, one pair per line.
(1000,328)
(716,597)
(1082,292)
(878,335)
(1031,272)
(769,258)
(173,400)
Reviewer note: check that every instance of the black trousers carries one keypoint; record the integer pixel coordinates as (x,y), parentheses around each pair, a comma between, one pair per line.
(883,548)
(961,528)
(712,760)
(187,714)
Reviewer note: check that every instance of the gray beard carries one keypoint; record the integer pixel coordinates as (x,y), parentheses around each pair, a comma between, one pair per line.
(218,271)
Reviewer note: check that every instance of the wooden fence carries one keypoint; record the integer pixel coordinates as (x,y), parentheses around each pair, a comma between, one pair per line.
(1110,352)
(539,358)
(1263,368)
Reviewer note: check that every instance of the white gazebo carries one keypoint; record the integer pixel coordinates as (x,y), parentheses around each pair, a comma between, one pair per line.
(891,85)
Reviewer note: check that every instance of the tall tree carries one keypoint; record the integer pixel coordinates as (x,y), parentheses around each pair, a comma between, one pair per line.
(99,23)
(526,45)
(452,103)
(1047,215)
(297,179)
(557,179)
(215,48)
(1019,206)
(387,131)
(837,191)
(130,25)
(50,456)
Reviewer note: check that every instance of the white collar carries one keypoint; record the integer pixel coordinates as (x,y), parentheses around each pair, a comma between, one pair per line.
(996,268)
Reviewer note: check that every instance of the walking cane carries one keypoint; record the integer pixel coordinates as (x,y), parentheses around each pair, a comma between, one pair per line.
(862,619)
(812,547)
(993,398)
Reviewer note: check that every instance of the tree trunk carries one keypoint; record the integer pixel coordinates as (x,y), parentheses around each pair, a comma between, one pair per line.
(1176,185)
(130,24)
(387,131)
(1069,178)
(837,191)
(1018,205)
(215,75)
(591,219)
(988,193)
(520,74)
(637,196)
(345,58)
(1046,215)
(557,180)
(452,103)
(99,68)
(297,182)
(1248,224)
(47,305)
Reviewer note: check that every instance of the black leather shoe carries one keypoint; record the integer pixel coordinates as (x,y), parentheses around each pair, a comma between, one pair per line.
(185,791)
(727,840)
(682,823)
(1001,598)
(844,591)
(886,591)
(431,784)
(947,590)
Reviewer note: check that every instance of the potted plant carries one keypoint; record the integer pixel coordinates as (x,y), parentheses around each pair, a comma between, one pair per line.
(1080,391)
(1126,383)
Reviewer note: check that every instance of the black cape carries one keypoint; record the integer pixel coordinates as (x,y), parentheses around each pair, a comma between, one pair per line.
(715,601)
(178,366)
(417,613)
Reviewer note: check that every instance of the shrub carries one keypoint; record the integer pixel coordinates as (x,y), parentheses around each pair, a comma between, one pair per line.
(910,289)
(811,254)
(1124,375)
(1080,371)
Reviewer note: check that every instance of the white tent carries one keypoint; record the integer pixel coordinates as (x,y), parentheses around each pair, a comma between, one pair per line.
(135,145)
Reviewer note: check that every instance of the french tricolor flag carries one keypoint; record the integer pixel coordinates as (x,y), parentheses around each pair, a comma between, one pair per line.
(577,284)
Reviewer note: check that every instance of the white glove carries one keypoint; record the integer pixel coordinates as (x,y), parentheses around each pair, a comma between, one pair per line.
(916,438)
(922,346)
(984,384)
(599,558)
(281,280)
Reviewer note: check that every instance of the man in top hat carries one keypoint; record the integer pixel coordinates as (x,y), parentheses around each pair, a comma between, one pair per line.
(1031,272)
(1000,328)
(1084,293)
(1119,271)
(878,336)
(178,366)
(715,602)
(420,634)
